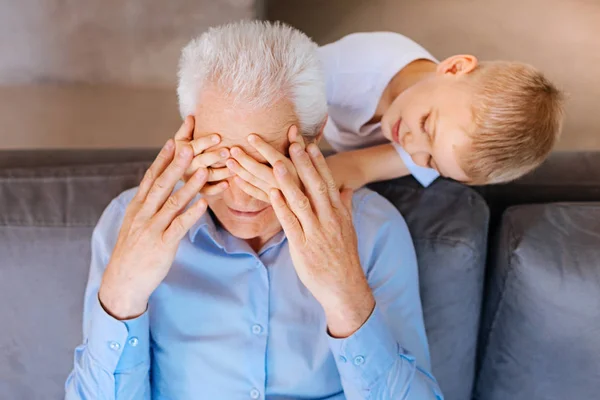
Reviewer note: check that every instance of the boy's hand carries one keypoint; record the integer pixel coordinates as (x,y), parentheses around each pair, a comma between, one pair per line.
(257,179)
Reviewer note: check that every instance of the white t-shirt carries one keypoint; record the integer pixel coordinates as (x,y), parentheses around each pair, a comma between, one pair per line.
(358,68)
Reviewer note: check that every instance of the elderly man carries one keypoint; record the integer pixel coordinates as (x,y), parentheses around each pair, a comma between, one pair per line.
(248,280)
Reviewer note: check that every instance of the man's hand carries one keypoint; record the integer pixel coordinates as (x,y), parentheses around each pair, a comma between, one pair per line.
(257,179)
(322,240)
(204,158)
(155,222)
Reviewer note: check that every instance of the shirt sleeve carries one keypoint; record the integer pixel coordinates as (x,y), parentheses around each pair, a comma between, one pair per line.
(425,176)
(113,362)
(387,357)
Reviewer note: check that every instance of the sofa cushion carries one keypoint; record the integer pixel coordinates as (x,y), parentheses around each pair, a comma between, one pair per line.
(448,223)
(46,219)
(541,327)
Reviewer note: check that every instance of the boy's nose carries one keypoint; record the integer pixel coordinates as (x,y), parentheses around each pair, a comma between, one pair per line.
(416,143)
(421,159)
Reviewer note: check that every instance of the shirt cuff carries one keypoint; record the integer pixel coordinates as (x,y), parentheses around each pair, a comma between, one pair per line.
(367,354)
(118,345)
(425,176)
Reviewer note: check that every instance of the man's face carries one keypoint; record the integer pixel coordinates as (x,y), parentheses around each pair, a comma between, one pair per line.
(430,120)
(242,215)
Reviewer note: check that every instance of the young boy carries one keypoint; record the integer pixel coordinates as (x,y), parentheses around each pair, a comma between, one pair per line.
(474,122)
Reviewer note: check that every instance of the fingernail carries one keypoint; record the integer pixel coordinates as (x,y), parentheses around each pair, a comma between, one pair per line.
(168,145)
(230,164)
(296,148)
(313,149)
(224,153)
(215,138)
(280,169)
(252,138)
(235,151)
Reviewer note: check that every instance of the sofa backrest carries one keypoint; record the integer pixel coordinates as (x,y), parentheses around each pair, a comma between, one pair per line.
(46,219)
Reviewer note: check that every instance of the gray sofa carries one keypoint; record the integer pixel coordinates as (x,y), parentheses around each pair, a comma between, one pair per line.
(509,275)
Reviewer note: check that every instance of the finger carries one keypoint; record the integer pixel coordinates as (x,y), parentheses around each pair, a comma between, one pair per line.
(313,182)
(213,190)
(219,174)
(297,201)
(251,190)
(287,219)
(265,149)
(209,158)
(186,130)
(163,185)
(237,169)
(321,165)
(257,169)
(160,163)
(204,142)
(184,222)
(177,201)
(295,137)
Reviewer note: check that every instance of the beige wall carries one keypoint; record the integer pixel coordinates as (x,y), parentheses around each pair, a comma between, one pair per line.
(101,73)
(561,37)
(97,73)
(132,42)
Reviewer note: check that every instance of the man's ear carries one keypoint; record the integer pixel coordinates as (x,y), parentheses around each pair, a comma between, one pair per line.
(321,130)
(457,65)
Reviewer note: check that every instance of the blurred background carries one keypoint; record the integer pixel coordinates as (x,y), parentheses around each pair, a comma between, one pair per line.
(102,73)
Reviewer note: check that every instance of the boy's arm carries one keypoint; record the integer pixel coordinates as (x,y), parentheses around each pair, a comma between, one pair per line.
(357,168)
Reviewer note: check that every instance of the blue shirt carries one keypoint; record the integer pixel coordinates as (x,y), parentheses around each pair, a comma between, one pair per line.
(228,323)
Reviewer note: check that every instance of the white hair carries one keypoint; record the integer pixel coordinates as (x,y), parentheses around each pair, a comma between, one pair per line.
(256,63)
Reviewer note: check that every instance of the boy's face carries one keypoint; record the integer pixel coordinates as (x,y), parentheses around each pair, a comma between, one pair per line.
(432,118)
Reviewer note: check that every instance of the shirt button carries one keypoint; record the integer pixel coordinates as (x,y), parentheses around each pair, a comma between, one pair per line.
(256,329)
(254,393)
(114,345)
(359,360)
(133,341)
(343,359)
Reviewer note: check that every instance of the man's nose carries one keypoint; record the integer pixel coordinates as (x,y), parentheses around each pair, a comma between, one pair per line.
(238,196)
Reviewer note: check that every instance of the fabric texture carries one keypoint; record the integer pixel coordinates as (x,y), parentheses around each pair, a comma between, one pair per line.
(448,223)
(46,220)
(541,332)
(228,322)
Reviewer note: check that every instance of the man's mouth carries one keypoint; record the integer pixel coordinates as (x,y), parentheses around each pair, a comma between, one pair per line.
(246,213)
(396,130)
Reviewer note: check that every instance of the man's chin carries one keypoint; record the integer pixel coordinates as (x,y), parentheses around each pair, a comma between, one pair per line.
(247,228)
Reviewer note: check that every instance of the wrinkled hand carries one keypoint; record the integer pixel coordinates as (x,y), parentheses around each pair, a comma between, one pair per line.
(154,223)
(257,179)
(322,240)
(205,155)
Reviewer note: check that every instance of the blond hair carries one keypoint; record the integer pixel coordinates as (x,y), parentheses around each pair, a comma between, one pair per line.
(518,116)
